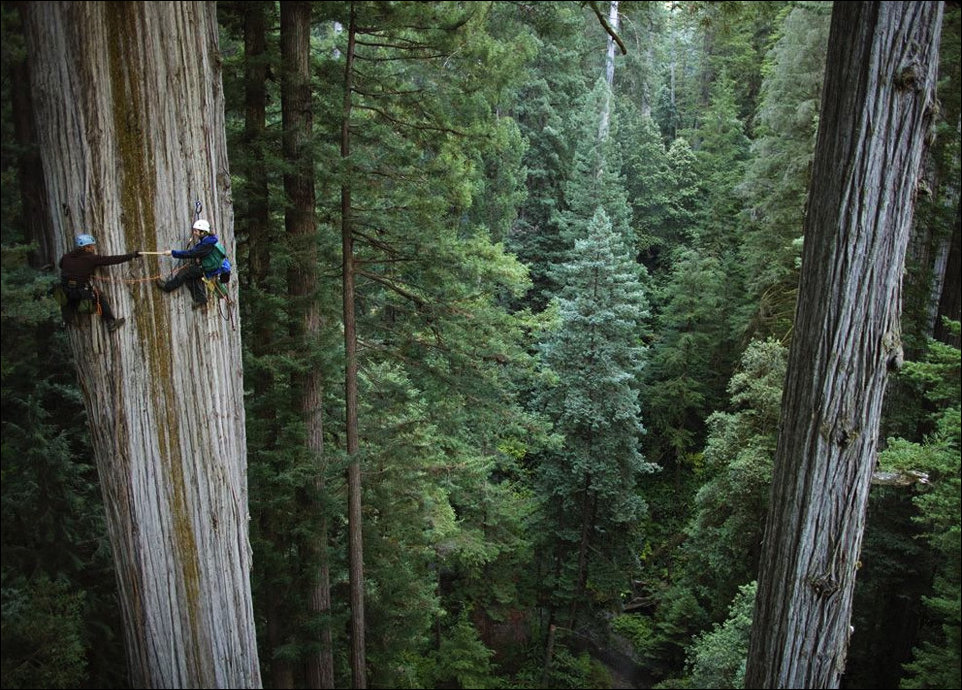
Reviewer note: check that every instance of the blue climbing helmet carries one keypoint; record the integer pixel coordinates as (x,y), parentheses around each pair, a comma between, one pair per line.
(85,240)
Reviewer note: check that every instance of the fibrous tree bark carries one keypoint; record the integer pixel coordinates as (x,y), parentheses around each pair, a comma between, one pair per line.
(130,122)
(876,110)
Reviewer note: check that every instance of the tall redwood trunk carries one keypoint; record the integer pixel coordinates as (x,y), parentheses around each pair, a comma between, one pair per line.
(298,122)
(876,110)
(130,120)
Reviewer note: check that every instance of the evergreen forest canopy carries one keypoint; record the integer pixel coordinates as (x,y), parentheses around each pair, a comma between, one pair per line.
(567,267)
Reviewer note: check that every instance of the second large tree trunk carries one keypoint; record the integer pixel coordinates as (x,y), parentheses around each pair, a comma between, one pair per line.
(875,113)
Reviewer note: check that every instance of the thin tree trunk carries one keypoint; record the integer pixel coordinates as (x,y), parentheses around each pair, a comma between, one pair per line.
(876,108)
(612,48)
(672,67)
(548,654)
(255,225)
(646,92)
(297,123)
(131,132)
(584,543)
(355,538)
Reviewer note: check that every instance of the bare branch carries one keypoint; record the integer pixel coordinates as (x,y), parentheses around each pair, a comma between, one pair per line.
(607,27)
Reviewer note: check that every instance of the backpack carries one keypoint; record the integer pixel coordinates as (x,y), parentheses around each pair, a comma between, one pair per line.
(216,261)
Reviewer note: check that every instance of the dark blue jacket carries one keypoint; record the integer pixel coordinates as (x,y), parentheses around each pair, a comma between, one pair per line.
(209,253)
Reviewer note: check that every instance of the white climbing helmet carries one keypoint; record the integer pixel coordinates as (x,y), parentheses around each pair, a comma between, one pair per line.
(202,225)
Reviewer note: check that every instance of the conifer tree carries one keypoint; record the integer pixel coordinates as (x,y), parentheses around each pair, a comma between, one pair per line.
(717,657)
(595,179)
(644,30)
(436,350)
(694,352)
(776,178)
(725,533)
(935,661)
(591,488)
(721,150)
(283,353)
(720,542)
(554,84)
(61,627)
(910,554)
(682,378)
(305,296)
(685,200)
(650,186)
(713,40)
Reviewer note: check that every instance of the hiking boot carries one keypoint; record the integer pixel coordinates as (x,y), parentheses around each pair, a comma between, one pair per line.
(200,305)
(161,284)
(115,324)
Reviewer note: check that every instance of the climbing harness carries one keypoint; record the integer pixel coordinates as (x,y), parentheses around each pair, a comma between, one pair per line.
(218,290)
(85,297)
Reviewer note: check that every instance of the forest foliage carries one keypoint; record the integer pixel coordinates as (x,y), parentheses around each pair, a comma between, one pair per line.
(571,344)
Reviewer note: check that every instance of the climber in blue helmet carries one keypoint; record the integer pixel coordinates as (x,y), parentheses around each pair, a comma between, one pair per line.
(76,268)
